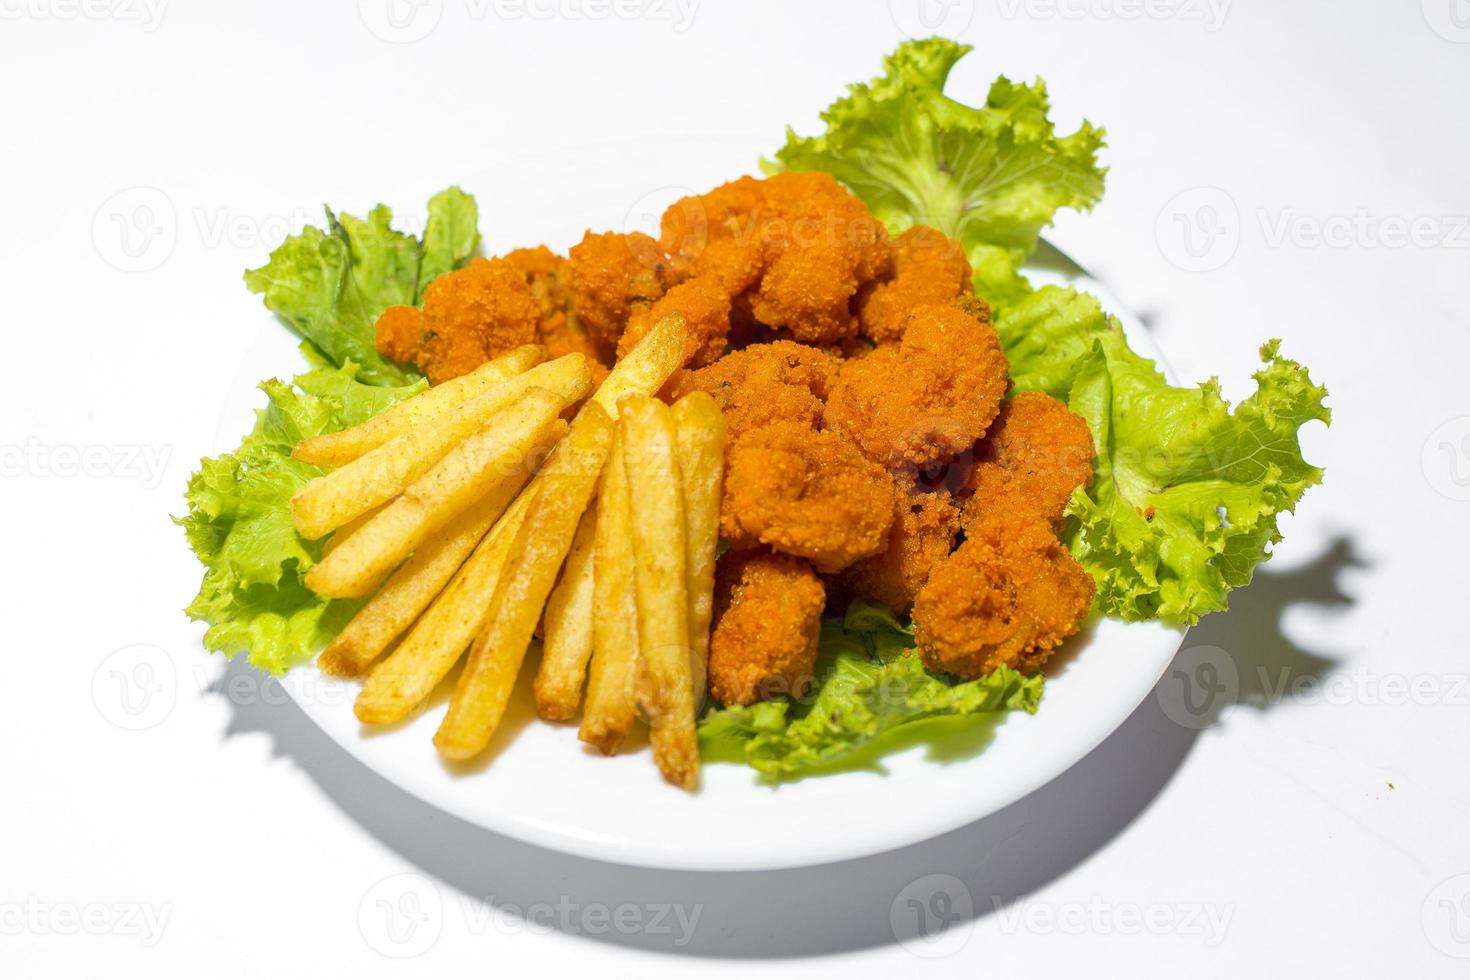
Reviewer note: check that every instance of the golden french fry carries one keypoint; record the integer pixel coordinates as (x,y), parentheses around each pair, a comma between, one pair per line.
(347,530)
(664,684)
(568,628)
(700,429)
(609,715)
(494,462)
(383,473)
(410,673)
(337,448)
(407,592)
(647,366)
(566,484)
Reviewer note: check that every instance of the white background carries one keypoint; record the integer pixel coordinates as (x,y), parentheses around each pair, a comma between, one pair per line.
(1316,828)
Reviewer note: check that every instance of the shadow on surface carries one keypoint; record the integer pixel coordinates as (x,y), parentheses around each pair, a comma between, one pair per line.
(837,907)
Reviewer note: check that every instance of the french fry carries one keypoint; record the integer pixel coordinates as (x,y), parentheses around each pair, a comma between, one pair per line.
(700,429)
(568,628)
(647,366)
(337,448)
(410,673)
(566,484)
(491,464)
(407,592)
(664,684)
(347,530)
(383,473)
(609,714)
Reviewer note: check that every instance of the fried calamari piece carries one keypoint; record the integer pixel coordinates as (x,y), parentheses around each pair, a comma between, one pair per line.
(768,617)
(1009,595)
(397,333)
(805,493)
(927,399)
(549,277)
(764,383)
(705,306)
(924,529)
(613,276)
(793,250)
(928,267)
(470,316)
(1035,455)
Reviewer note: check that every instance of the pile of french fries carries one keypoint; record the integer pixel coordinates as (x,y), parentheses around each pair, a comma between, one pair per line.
(474,511)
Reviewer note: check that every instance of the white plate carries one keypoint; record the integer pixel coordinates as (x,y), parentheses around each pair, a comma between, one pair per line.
(539,784)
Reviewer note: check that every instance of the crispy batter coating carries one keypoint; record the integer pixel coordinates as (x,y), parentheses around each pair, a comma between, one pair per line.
(793,250)
(1009,595)
(397,333)
(928,267)
(768,616)
(470,316)
(613,276)
(1035,455)
(764,383)
(929,398)
(705,305)
(549,276)
(805,493)
(924,529)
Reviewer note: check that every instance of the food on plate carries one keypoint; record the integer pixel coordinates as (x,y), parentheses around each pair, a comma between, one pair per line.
(820,451)
(566,645)
(768,617)
(337,448)
(564,489)
(663,679)
(405,678)
(699,429)
(609,713)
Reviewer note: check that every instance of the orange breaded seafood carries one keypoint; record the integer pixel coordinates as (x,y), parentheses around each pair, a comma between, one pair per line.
(613,276)
(805,493)
(470,316)
(768,615)
(926,399)
(1009,595)
(928,267)
(764,383)
(924,529)
(1037,452)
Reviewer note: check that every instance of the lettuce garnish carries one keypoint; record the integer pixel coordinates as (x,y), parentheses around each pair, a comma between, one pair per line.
(254,596)
(871,690)
(991,176)
(329,286)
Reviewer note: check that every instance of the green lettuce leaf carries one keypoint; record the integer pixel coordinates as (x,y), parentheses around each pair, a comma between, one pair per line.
(870,693)
(991,176)
(239,523)
(1187,492)
(330,285)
